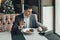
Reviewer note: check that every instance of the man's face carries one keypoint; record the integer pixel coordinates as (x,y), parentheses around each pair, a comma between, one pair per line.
(28,12)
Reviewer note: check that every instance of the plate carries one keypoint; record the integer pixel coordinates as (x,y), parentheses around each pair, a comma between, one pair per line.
(28,31)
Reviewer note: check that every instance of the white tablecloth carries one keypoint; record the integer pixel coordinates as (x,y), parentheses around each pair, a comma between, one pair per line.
(34,36)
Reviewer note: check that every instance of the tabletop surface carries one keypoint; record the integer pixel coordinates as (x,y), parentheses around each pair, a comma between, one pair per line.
(33,36)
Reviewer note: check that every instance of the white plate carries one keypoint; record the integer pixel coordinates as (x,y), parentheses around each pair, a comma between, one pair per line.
(24,31)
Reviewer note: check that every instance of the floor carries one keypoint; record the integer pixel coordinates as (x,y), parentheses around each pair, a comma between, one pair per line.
(52,36)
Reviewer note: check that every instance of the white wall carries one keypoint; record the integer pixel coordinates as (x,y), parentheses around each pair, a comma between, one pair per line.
(48,17)
(57,17)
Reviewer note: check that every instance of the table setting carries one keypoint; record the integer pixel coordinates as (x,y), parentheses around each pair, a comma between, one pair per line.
(33,34)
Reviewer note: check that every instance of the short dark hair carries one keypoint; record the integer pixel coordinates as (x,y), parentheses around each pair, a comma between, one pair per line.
(27,7)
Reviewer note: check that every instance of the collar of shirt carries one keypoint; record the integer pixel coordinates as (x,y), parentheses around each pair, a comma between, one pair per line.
(26,16)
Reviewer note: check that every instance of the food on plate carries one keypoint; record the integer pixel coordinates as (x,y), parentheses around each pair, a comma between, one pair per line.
(30,30)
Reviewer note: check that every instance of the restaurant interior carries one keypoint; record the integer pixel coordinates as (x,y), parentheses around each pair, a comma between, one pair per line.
(47,12)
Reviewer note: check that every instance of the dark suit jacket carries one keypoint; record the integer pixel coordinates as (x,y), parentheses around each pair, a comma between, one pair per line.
(15,32)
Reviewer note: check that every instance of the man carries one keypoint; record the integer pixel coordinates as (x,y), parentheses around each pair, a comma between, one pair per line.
(27,20)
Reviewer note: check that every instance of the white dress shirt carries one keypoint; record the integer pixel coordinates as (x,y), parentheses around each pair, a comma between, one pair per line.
(27,21)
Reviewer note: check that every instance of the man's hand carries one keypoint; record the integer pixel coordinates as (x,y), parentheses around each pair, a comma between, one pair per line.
(39,29)
(21,24)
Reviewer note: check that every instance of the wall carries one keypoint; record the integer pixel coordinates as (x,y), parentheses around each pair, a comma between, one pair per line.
(47,17)
(57,17)
(47,2)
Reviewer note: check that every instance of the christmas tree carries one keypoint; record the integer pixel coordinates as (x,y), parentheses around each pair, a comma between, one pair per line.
(8,7)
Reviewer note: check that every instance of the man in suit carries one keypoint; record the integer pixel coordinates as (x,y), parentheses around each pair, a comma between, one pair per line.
(27,20)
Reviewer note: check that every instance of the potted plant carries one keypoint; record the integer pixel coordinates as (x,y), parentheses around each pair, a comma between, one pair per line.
(8,7)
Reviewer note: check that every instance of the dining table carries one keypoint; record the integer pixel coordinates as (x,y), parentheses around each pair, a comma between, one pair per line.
(33,36)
